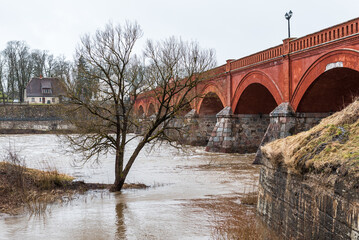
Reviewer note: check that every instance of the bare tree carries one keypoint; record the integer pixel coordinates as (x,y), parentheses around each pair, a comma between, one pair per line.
(19,67)
(169,72)
(39,58)
(3,83)
(44,64)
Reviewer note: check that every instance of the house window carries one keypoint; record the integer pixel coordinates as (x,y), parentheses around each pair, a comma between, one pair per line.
(40,99)
(53,99)
(46,90)
(32,99)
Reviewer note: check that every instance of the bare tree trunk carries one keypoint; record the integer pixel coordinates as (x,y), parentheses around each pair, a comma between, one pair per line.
(119,179)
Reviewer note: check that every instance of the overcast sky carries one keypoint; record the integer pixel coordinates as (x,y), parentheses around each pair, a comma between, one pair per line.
(234,28)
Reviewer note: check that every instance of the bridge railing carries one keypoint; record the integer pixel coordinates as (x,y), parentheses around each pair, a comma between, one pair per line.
(257,57)
(326,35)
(330,34)
(216,70)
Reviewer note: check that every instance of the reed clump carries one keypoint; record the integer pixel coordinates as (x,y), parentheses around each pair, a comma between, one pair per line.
(22,187)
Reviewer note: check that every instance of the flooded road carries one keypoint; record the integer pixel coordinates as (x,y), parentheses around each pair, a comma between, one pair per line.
(167,210)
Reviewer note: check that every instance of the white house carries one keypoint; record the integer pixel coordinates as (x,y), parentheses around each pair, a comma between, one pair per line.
(45,91)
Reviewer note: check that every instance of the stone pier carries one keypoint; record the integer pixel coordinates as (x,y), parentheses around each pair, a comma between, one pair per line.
(241,133)
(222,139)
(282,124)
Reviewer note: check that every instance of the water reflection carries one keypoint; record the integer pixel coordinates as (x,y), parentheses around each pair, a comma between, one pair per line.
(120,222)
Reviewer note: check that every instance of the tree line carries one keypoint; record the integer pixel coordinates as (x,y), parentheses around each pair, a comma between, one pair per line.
(19,63)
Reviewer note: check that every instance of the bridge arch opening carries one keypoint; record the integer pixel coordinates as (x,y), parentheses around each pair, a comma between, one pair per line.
(151,110)
(255,99)
(211,105)
(331,91)
(186,108)
(140,111)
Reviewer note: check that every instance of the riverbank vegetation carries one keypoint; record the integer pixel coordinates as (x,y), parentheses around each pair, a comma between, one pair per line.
(20,187)
(26,189)
(330,147)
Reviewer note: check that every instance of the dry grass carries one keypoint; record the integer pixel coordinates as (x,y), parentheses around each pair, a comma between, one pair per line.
(25,188)
(29,189)
(22,187)
(331,146)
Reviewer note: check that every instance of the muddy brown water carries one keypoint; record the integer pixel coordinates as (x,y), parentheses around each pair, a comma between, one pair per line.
(163,211)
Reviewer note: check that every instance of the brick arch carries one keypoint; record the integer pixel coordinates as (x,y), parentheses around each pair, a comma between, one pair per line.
(210,88)
(140,110)
(188,96)
(189,104)
(349,59)
(150,111)
(138,104)
(257,77)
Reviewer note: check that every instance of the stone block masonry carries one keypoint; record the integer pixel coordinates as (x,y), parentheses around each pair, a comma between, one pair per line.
(222,139)
(308,206)
(31,119)
(29,127)
(245,133)
(28,113)
(237,133)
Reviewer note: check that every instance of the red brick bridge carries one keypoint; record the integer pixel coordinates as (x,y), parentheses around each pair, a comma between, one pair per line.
(308,77)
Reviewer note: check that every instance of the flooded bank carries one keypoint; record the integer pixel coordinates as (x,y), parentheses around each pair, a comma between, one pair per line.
(191,194)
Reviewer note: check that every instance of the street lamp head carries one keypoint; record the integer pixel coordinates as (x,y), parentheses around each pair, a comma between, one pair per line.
(288,15)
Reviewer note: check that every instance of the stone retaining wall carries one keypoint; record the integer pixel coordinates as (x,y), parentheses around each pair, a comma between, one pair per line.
(309,206)
(31,119)
(19,127)
(305,121)
(28,112)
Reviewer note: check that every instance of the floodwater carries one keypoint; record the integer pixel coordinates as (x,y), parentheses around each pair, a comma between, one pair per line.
(162,211)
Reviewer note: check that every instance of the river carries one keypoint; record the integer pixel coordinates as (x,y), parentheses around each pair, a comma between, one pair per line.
(185,188)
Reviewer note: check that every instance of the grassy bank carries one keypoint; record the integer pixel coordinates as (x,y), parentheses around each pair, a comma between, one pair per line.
(330,147)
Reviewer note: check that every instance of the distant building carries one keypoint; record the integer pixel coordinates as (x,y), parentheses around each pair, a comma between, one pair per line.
(45,91)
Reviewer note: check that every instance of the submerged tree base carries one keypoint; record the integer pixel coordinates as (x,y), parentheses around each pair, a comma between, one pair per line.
(21,188)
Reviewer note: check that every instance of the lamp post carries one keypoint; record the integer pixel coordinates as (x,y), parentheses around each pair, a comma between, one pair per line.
(288,15)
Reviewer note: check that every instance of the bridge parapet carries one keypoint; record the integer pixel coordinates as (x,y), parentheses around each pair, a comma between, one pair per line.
(327,35)
(257,57)
(297,44)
